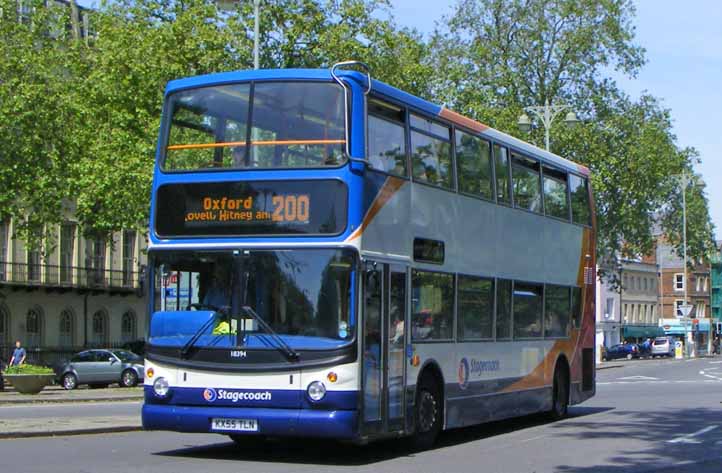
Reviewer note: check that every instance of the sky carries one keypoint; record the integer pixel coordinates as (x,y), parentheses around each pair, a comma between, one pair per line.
(683,42)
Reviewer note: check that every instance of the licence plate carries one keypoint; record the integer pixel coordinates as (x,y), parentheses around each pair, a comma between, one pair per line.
(237,425)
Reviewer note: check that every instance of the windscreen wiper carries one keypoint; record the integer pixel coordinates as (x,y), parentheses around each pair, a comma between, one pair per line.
(216,310)
(283,347)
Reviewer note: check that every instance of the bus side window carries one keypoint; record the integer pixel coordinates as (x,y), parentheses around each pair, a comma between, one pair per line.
(525,182)
(527,310)
(581,212)
(557,307)
(556,202)
(431,152)
(387,138)
(503,309)
(432,315)
(576,307)
(501,165)
(473,162)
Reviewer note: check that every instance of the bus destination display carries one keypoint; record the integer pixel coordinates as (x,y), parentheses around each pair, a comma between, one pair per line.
(251,208)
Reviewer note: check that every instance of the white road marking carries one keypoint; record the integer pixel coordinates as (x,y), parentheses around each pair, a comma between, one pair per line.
(690,438)
(715,362)
(643,378)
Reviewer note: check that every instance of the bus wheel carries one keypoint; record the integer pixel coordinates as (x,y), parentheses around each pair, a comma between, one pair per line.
(428,412)
(560,391)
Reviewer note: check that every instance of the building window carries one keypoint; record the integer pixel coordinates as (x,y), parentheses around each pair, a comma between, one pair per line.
(4,325)
(476,308)
(705,284)
(67,326)
(677,304)
(127,327)
(431,152)
(34,327)
(527,310)
(95,261)
(609,313)
(33,265)
(473,162)
(700,310)
(128,257)
(526,184)
(67,246)
(4,240)
(100,328)
(387,138)
(679,281)
(433,306)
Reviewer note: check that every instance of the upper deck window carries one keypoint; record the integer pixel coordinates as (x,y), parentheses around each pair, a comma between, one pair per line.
(473,158)
(431,152)
(292,125)
(386,138)
(525,181)
(581,212)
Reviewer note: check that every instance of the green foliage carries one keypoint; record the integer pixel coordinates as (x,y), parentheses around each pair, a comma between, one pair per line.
(27,369)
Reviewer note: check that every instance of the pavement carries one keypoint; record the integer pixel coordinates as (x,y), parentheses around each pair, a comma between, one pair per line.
(57,412)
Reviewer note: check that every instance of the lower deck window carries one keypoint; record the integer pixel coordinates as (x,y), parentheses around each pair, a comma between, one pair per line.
(556,311)
(432,306)
(476,308)
(527,310)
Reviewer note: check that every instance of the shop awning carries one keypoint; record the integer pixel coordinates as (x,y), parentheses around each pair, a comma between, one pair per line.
(680,327)
(642,331)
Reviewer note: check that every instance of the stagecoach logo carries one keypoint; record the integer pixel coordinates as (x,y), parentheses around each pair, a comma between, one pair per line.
(210,394)
(463,374)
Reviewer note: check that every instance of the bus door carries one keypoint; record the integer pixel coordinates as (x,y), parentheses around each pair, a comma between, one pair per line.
(384,342)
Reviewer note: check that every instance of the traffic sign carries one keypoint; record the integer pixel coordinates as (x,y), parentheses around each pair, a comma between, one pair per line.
(684,310)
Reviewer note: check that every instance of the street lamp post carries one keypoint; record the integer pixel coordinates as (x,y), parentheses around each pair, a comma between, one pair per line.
(546,114)
(684,180)
(256,29)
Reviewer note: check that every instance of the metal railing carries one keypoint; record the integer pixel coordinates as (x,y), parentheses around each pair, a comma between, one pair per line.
(78,277)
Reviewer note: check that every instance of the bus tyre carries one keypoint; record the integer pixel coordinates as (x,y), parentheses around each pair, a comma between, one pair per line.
(560,394)
(428,412)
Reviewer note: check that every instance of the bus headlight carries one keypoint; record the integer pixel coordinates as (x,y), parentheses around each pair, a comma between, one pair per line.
(316,390)
(161,387)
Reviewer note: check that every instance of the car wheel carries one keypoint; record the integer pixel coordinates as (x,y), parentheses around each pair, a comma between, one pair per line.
(560,394)
(629,356)
(70,381)
(428,413)
(128,379)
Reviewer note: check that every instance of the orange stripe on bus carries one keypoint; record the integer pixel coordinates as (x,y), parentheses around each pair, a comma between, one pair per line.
(257,143)
(460,119)
(388,190)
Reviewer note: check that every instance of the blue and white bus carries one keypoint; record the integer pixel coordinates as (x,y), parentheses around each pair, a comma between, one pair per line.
(333,257)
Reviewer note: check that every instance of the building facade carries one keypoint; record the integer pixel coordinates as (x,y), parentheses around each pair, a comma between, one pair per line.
(639,299)
(608,316)
(73,293)
(716,284)
(673,285)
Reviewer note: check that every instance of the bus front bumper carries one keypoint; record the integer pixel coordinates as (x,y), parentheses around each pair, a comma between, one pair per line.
(340,424)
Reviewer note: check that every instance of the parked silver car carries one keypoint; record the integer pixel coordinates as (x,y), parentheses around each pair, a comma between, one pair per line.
(663,346)
(99,368)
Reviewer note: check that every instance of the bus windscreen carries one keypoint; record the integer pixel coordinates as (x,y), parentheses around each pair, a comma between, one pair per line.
(251,208)
(256,125)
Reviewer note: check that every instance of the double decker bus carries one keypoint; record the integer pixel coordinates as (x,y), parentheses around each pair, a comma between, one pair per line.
(333,257)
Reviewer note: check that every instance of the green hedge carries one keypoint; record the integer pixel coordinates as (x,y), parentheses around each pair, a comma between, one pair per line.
(28,369)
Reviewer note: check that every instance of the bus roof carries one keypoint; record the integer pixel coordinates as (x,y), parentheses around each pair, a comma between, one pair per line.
(383,89)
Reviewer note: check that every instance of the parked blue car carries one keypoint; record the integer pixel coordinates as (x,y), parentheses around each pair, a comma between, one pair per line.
(628,351)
